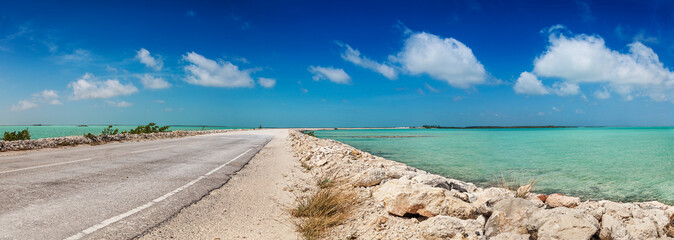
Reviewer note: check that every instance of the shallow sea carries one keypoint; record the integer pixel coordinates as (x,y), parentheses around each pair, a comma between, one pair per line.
(619,164)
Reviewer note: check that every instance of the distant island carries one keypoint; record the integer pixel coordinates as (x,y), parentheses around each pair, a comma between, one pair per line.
(478,127)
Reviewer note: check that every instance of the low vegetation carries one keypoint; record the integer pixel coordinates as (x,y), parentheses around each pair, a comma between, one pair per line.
(17,135)
(516,184)
(321,210)
(310,133)
(110,131)
(150,128)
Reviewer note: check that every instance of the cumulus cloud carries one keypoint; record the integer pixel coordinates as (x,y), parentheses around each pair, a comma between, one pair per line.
(144,56)
(353,56)
(119,104)
(529,84)
(266,82)
(47,96)
(23,105)
(336,75)
(565,88)
(152,82)
(444,59)
(211,73)
(87,87)
(602,94)
(585,59)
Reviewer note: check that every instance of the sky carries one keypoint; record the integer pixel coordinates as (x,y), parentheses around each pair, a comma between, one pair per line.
(337,63)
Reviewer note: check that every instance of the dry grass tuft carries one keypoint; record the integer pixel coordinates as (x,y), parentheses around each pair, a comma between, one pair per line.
(515,184)
(325,208)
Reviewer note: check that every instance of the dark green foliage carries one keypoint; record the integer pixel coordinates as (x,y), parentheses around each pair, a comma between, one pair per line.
(310,133)
(109,131)
(91,136)
(20,135)
(150,128)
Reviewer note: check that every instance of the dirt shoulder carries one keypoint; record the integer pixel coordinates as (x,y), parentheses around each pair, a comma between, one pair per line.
(250,206)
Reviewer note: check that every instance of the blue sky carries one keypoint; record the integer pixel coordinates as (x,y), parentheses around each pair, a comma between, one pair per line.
(341,63)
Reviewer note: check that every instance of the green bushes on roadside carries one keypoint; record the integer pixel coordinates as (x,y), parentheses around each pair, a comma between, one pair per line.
(109,131)
(150,128)
(14,136)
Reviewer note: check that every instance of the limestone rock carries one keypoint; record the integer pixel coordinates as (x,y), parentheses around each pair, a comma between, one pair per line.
(629,221)
(510,215)
(558,200)
(485,198)
(369,177)
(400,197)
(442,182)
(451,227)
(564,223)
(511,236)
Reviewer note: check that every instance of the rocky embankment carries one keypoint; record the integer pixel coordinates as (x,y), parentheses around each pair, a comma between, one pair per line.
(400,202)
(77,140)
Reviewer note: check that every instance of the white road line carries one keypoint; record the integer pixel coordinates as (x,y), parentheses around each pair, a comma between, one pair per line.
(48,165)
(149,204)
(146,150)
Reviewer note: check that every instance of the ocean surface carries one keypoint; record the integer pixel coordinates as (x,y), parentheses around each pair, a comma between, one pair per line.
(618,164)
(37,132)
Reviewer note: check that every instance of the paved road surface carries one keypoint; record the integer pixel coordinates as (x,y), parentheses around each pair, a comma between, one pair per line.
(114,191)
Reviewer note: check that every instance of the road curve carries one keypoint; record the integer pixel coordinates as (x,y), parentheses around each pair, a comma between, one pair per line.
(118,190)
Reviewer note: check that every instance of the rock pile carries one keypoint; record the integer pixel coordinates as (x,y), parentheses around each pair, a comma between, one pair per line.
(77,140)
(401,202)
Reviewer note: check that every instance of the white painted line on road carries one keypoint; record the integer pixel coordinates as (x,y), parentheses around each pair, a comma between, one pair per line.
(146,150)
(48,165)
(149,204)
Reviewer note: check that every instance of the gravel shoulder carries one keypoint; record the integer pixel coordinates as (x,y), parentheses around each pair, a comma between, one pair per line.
(250,206)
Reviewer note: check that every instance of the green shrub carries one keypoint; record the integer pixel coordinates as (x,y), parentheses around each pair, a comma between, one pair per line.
(20,135)
(310,133)
(150,128)
(109,131)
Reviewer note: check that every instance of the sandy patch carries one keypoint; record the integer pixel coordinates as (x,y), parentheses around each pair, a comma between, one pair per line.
(251,205)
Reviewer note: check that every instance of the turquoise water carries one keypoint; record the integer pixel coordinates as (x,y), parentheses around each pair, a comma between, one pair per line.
(619,164)
(37,132)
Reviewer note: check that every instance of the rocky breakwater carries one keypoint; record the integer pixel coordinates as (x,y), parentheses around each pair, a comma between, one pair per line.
(400,202)
(77,140)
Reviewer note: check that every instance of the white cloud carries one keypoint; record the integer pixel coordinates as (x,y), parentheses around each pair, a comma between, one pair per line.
(78,55)
(266,82)
(87,87)
(556,109)
(602,94)
(120,104)
(431,88)
(304,90)
(153,83)
(210,73)
(336,75)
(144,56)
(111,69)
(159,101)
(23,105)
(578,111)
(529,84)
(565,88)
(541,114)
(585,59)
(443,59)
(353,56)
(48,96)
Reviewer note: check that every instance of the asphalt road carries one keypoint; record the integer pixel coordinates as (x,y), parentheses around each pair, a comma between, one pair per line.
(117,190)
